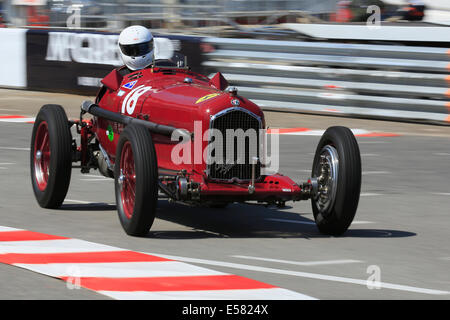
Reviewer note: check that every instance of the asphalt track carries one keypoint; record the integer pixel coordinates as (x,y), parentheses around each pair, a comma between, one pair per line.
(402,225)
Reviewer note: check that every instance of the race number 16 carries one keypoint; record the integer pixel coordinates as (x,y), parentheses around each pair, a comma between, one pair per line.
(131,99)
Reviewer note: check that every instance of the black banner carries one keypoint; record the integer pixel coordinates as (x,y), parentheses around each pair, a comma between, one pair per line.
(75,62)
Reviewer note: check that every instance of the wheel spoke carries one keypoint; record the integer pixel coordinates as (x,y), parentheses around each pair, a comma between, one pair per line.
(44,141)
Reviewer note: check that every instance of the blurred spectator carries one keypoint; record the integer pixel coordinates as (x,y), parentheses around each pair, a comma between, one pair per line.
(37,17)
(343,13)
(414,11)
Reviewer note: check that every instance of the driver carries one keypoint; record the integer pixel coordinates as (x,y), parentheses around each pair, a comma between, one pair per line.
(136,47)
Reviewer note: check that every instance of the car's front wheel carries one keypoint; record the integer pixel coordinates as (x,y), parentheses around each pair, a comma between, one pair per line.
(336,179)
(51,156)
(136,180)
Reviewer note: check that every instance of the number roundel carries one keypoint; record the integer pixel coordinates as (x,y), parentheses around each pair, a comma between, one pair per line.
(131,99)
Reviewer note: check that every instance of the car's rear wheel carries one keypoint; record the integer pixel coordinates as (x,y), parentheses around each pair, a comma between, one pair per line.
(51,156)
(136,180)
(336,179)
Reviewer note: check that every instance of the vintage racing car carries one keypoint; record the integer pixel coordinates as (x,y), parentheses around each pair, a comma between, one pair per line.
(129,137)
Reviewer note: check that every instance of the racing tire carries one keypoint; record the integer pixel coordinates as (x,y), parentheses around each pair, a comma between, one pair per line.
(51,156)
(337,174)
(136,180)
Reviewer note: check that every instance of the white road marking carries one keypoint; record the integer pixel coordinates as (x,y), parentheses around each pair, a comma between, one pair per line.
(2,109)
(21,98)
(374,172)
(12,148)
(369,194)
(309,275)
(310,222)
(248,294)
(6,163)
(17,120)
(298,263)
(53,246)
(94,176)
(77,201)
(369,155)
(441,193)
(9,229)
(373,142)
(96,179)
(121,269)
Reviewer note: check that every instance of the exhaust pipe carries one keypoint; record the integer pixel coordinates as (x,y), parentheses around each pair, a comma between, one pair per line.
(92,108)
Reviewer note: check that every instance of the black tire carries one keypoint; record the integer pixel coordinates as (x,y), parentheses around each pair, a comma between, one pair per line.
(51,191)
(140,217)
(335,217)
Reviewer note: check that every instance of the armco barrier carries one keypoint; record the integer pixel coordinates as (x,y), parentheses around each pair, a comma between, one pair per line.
(365,80)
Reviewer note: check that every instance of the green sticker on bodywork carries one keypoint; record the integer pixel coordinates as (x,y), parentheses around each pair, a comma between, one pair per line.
(110,133)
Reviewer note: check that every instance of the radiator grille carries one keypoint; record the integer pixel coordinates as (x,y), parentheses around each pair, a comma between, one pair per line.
(238,164)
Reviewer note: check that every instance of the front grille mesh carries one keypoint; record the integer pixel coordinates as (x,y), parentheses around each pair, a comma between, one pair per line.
(236,119)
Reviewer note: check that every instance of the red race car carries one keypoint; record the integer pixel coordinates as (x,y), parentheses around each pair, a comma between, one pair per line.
(165,131)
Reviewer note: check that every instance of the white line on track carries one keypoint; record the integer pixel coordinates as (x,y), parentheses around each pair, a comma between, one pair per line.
(310,222)
(6,163)
(96,179)
(372,142)
(2,228)
(94,176)
(20,98)
(121,269)
(77,201)
(17,120)
(374,172)
(53,246)
(247,294)
(310,275)
(93,203)
(369,194)
(298,263)
(441,193)
(13,148)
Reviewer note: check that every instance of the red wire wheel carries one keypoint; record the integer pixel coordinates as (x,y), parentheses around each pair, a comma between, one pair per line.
(42,156)
(51,156)
(127,179)
(136,180)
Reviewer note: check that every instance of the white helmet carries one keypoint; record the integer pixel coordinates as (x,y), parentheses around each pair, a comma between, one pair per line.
(136,47)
